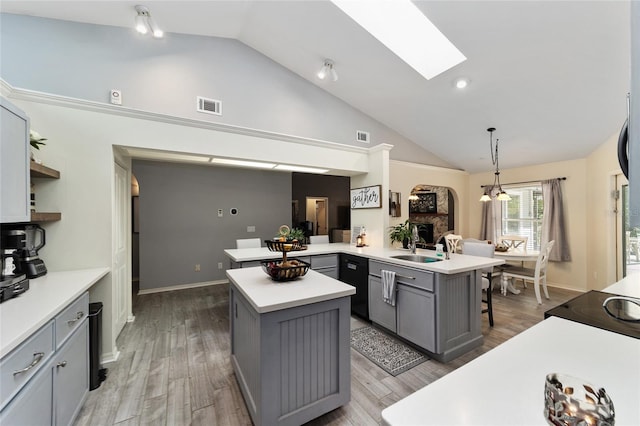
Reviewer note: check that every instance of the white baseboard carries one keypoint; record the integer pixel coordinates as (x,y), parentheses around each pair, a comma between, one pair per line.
(108,357)
(181,287)
(131,318)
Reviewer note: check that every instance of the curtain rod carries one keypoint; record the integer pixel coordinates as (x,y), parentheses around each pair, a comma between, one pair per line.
(526,181)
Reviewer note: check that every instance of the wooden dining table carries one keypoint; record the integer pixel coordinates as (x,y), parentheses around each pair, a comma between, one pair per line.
(515,255)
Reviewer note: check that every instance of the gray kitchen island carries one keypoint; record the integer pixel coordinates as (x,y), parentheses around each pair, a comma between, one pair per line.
(290,344)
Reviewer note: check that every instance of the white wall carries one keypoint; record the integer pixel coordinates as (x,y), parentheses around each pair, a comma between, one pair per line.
(80,145)
(405,176)
(602,166)
(571,274)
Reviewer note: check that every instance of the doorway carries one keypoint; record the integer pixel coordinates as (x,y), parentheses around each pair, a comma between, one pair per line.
(628,246)
(317,213)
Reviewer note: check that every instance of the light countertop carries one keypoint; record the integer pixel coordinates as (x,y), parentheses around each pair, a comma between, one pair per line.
(628,286)
(456,264)
(266,295)
(47,296)
(505,386)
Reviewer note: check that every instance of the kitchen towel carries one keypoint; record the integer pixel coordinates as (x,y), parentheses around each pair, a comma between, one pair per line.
(389,287)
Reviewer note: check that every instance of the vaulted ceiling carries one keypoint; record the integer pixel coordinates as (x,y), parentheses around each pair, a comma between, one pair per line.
(551,76)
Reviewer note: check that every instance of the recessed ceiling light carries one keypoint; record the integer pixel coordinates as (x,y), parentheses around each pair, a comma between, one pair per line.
(461,83)
(243,163)
(404,30)
(300,169)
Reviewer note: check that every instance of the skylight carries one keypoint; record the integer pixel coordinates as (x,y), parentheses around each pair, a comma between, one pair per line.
(403,29)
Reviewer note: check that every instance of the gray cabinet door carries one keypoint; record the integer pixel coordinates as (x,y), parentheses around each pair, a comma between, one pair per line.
(380,312)
(71,379)
(14,164)
(33,405)
(416,316)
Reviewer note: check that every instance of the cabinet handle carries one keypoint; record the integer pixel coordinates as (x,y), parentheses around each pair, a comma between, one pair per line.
(37,357)
(78,317)
(62,364)
(405,277)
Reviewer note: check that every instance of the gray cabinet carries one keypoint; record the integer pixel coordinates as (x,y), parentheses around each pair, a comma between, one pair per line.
(380,312)
(438,312)
(326,264)
(292,365)
(34,404)
(45,380)
(416,319)
(14,164)
(71,375)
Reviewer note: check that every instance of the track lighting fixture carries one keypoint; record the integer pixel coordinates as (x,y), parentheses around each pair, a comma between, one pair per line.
(144,22)
(328,70)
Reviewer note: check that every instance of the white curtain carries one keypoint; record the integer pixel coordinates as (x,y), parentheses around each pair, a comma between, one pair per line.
(553,223)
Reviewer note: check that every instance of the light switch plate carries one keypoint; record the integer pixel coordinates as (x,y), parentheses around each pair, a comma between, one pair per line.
(251,229)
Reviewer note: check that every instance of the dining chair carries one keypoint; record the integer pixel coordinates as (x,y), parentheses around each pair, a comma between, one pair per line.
(515,242)
(319,239)
(248,243)
(453,242)
(537,275)
(483,250)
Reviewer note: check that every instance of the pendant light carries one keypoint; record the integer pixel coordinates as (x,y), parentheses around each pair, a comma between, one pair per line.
(501,195)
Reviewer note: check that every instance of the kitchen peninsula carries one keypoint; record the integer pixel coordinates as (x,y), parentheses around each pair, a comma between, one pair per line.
(438,306)
(290,345)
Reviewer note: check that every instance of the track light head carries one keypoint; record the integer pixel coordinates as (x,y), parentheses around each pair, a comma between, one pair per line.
(328,70)
(144,22)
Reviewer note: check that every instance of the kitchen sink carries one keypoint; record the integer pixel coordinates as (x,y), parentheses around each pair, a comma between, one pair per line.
(416,258)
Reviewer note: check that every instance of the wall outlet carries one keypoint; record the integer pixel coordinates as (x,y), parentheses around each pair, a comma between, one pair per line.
(251,229)
(197,268)
(220,265)
(220,213)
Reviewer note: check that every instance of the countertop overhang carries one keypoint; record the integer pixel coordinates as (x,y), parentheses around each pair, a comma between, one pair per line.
(266,295)
(456,264)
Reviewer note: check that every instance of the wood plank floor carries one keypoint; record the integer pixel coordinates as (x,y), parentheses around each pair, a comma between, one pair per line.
(174,366)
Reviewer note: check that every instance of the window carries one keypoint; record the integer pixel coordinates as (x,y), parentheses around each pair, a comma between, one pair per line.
(522,215)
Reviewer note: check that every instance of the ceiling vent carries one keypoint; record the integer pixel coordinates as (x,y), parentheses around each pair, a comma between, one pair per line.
(362,136)
(209,106)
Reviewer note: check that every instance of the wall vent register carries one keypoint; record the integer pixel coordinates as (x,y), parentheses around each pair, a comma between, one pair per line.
(362,136)
(209,106)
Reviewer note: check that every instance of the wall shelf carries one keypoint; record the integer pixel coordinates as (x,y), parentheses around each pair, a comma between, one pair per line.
(45,217)
(41,171)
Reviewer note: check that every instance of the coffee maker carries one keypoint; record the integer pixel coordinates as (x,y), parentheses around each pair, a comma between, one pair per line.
(25,241)
(13,280)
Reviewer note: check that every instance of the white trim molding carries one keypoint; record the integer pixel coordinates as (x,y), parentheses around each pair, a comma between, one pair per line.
(181,287)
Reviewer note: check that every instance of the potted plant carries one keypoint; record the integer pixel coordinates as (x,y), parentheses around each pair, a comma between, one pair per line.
(401,233)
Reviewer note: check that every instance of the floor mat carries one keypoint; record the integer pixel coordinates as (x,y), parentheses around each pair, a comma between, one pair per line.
(388,353)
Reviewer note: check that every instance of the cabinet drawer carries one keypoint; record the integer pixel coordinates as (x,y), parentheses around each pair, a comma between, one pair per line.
(25,361)
(71,318)
(415,277)
(322,261)
(34,405)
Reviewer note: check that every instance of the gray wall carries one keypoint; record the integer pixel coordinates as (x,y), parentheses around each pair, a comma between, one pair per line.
(179,225)
(86,61)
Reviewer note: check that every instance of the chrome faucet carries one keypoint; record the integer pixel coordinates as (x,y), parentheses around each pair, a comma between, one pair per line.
(414,239)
